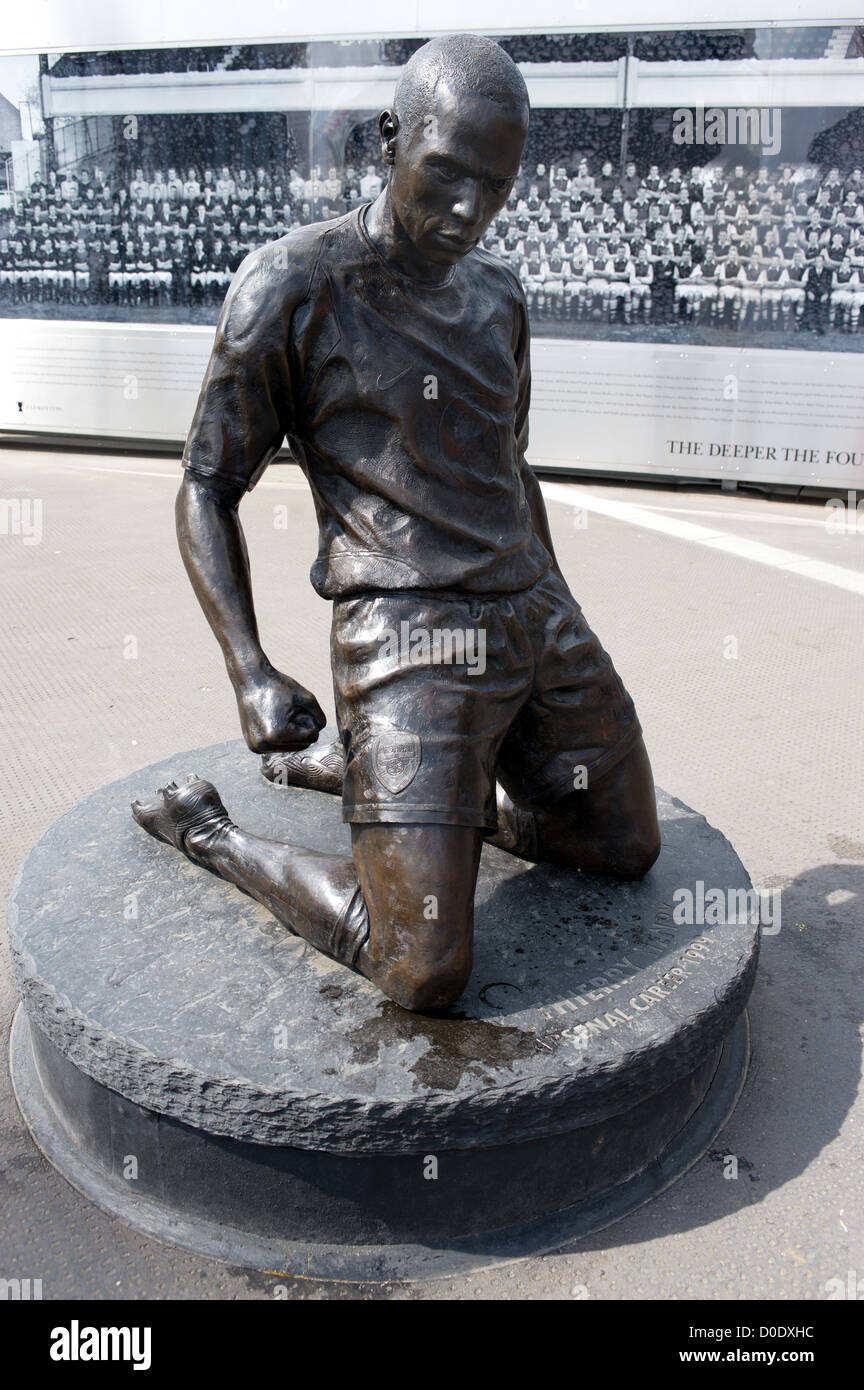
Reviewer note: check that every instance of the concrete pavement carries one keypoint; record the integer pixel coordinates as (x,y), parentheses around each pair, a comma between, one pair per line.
(747,678)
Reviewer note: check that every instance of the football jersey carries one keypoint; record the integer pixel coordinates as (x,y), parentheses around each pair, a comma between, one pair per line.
(405,404)
(818,281)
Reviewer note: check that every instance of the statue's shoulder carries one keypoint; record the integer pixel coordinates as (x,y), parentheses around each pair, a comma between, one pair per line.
(499,273)
(274,279)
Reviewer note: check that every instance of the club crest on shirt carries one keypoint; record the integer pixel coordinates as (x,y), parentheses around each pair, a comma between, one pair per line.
(468,435)
(396,757)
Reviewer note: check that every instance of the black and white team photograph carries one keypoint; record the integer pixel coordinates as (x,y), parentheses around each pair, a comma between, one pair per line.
(644,223)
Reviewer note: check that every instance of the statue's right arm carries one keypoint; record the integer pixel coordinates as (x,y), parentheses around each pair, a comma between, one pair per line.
(244,411)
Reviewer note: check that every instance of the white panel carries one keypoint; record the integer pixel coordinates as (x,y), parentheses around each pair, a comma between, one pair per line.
(574,84)
(53,25)
(302,89)
(579,85)
(696,412)
(101,379)
(608,407)
(513,17)
(751,82)
(291,89)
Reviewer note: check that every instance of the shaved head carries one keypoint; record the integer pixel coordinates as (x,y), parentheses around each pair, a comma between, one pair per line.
(452,140)
(465,64)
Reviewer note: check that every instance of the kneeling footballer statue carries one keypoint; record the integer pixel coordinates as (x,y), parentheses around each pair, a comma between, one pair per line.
(393,352)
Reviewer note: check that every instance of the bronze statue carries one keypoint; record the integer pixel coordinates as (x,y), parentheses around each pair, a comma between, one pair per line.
(394,354)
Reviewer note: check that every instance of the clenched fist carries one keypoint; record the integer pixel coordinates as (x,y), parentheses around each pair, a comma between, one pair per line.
(276,713)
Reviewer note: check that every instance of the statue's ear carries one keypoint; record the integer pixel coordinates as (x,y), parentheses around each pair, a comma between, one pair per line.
(388,125)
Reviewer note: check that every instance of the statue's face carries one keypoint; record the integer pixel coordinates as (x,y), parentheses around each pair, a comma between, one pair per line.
(453,173)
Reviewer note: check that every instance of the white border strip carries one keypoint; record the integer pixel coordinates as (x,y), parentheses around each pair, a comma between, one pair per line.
(773,556)
(85,25)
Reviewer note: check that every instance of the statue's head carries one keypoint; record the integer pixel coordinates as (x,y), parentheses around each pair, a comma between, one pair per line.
(453,142)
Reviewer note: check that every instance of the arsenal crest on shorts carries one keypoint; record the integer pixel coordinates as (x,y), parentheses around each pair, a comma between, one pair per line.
(396,757)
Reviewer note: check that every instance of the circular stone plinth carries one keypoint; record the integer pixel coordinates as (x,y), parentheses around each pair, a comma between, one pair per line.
(270,1095)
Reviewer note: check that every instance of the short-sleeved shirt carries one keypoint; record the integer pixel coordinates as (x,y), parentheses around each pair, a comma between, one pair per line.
(406,405)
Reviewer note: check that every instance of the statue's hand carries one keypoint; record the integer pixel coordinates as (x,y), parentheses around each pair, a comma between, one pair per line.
(277,714)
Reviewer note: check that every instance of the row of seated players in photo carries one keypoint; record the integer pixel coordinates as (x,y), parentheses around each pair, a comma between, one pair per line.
(651,285)
(583,245)
(196,205)
(176,200)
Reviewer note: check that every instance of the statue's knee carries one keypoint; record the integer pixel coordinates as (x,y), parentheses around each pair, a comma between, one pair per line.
(433,991)
(419,985)
(634,857)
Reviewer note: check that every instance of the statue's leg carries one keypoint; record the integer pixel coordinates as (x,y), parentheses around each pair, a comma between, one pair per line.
(609,826)
(579,788)
(400,911)
(577,782)
(418,885)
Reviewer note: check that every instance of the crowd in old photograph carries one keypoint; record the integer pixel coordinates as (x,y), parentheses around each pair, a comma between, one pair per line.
(593,243)
(714,244)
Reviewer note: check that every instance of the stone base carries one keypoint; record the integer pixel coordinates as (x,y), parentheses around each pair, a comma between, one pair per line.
(198,1071)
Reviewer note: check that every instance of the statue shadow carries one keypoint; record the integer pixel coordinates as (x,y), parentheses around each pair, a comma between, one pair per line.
(804,1071)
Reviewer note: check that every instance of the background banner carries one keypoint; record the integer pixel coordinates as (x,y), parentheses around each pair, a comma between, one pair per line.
(688,226)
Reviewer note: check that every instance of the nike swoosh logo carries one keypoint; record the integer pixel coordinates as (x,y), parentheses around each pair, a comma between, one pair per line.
(385,385)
